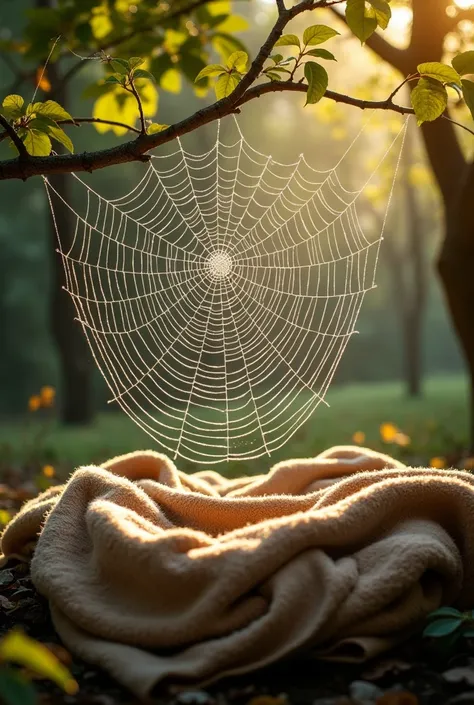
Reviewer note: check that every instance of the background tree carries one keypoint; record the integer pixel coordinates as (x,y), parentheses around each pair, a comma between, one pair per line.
(434,21)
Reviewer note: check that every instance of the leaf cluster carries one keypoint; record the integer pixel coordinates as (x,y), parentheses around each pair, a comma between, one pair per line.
(228,75)
(364,16)
(449,625)
(37,124)
(430,96)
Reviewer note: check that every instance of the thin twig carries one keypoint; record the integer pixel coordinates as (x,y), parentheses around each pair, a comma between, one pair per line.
(411,77)
(14,138)
(458,124)
(78,121)
(140,107)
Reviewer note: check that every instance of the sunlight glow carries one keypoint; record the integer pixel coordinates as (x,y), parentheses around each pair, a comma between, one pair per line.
(464,4)
(401,18)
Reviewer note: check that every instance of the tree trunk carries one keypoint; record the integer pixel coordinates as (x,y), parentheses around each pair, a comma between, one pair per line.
(74,355)
(406,261)
(416,303)
(456,269)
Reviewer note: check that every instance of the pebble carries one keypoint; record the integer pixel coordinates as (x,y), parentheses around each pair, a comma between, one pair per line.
(364,693)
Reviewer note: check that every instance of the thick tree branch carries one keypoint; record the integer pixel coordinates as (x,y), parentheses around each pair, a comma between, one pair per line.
(136,150)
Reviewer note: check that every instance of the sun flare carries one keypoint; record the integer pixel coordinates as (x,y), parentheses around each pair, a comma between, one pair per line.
(464,4)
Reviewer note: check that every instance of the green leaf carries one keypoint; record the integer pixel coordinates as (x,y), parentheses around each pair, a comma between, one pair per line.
(226,44)
(322,54)
(52,110)
(288,40)
(445,612)
(439,72)
(361,19)
(13,106)
(468,93)
(58,134)
(18,648)
(141,73)
(15,689)
(155,127)
(442,627)
(211,70)
(37,143)
(113,79)
(317,78)
(121,66)
(276,58)
(238,61)
(277,69)
(232,23)
(135,61)
(272,75)
(226,84)
(464,63)
(383,13)
(429,99)
(317,34)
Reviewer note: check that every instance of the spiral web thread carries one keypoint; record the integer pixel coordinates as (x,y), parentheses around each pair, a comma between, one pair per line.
(219,294)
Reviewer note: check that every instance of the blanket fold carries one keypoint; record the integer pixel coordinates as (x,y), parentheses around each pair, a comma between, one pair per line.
(158,576)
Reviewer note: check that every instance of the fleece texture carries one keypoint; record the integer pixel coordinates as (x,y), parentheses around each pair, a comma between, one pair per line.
(162,577)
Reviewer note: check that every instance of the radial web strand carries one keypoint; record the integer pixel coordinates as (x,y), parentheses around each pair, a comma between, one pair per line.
(219,294)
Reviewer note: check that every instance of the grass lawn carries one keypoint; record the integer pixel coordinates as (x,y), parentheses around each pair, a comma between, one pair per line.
(436,425)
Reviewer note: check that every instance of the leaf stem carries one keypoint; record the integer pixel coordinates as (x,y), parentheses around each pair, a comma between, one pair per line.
(133,90)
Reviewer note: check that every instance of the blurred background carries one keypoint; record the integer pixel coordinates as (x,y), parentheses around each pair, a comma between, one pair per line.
(402,384)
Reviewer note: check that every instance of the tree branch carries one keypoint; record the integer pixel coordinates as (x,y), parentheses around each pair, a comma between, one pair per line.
(140,107)
(79,121)
(136,150)
(23,154)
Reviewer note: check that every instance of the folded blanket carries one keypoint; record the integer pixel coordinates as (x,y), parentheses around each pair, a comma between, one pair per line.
(158,576)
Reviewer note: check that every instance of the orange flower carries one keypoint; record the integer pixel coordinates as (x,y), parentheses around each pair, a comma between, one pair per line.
(34,403)
(388,432)
(48,471)
(401,439)
(438,463)
(358,437)
(42,80)
(468,463)
(47,395)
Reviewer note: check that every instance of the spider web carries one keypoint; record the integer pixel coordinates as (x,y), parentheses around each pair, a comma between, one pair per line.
(219,294)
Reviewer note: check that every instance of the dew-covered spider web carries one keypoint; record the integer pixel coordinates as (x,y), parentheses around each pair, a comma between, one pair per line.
(219,294)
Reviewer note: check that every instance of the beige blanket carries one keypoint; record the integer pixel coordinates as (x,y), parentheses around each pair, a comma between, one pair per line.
(157,576)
